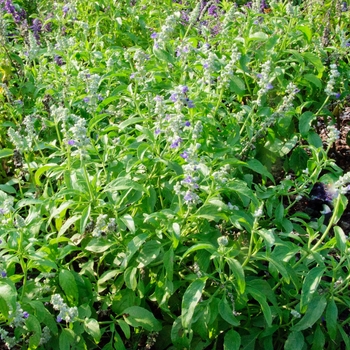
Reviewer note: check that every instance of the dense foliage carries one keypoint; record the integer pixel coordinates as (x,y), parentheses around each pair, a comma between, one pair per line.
(164,183)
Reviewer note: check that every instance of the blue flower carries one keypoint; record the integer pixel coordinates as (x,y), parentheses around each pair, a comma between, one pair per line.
(154,35)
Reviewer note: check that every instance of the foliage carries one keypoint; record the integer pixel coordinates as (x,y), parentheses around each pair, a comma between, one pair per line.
(158,159)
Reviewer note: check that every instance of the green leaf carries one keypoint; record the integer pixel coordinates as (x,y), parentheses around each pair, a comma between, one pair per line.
(211,212)
(332,319)
(123,184)
(125,328)
(85,214)
(318,340)
(179,336)
(313,313)
(41,171)
(313,79)
(237,85)
(340,238)
(130,277)
(8,189)
(306,31)
(118,343)
(305,122)
(260,36)
(6,152)
(163,55)
(67,224)
(259,168)
(33,326)
(98,245)
(68,284)
(190,300)
(130,121)
(149,252)
(260,297)
(295,341)
(315,61)
(226,312)
(314,139)
(169,263)
(129,222)
(92,327)
(66,339)
(232,340)
(310,286)
(238,272)
(8,294)
(207,246)
(137,316)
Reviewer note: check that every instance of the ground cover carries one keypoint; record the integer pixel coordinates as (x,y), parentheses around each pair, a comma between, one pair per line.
(174,175)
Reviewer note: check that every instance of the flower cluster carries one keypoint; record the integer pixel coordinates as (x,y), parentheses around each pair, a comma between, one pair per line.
(333,134)
(226,73)
(102,226)
(18,16)
(287,102)
(209,67)
(264,80)
(162,37)
(68,314)
(228,19)
(329,90)
(222,175)
(189,185)
(25,142)
(73,127)
(17,317)
(342,181)
(180,99)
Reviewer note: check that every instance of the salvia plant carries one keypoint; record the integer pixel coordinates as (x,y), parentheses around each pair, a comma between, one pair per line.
(168,174)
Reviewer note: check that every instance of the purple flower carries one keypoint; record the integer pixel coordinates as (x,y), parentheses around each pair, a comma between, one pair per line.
(189,103)
(25,314)
(71,142)
(337,95)
(58,60)
(157,131)
(100,97)
(188,197)
(65,9)
(2,211)
(188,179)
(269,86)
(184,89)
(212,10)
(154,35)
(187,123)
(132,75)
(173,97)
(176,143)
(36,27)
(18,16)
(59,319)
(86,99)
(184,155)
(3,274)
(259,75)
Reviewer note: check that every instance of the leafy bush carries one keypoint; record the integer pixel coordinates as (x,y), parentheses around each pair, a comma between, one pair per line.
(158,160)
